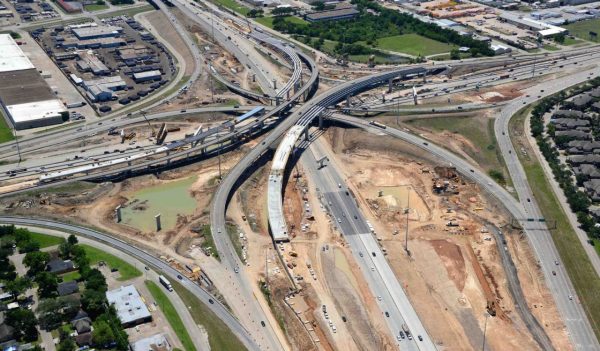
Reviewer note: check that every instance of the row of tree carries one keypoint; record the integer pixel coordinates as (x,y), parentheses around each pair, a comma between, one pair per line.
(578,201)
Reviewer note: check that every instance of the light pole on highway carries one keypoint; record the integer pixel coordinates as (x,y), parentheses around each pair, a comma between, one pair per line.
(484,330)
(407,213)
(17,143)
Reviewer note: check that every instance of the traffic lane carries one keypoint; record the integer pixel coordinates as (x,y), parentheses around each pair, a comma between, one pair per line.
(376,280)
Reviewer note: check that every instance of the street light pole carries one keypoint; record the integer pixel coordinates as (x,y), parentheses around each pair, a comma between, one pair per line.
(407,213)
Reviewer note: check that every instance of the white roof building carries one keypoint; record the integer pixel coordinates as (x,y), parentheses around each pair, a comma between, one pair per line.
(12,57)
(157,342)
(36,114)
(131,310)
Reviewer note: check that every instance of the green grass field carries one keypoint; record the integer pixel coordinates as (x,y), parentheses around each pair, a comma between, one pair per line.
(582,29)
(126,270)
(95,7)
(6,133)
(46,240)
(413,44)
(550,47)
(219,335)
(233,5)
(577,264)
(171,314)
(268,21)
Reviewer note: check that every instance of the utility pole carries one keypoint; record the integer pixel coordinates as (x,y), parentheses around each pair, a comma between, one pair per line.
(144,113)
(484,330)
(18,148)
(219,157)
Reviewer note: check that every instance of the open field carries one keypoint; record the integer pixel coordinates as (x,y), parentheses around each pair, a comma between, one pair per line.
(219,335)
(95,7)
(582,29)
(46,240)
(268,21)
(127,12)
(171,314)
(126,270)
(233,5)
(413,44)
(577,264)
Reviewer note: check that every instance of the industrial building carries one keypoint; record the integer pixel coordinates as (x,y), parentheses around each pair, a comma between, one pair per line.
(102,89)
(146,76)
(91,63)
(25,96)
(542,29)
(333,15)
(129,305)
(97,32)
(157,342)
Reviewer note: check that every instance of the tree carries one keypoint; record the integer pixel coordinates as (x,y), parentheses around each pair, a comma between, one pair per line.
(29,246)
(559,38)
(66,344)
(94,280)
(24,322)
(102,336)
(18,285)
(47,311)
(47,284)
(72,239)
(282,11)
(36,261)
(455,54)
(93,302)
(318,6)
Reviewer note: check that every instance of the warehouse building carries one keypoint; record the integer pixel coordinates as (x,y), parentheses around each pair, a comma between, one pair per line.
(540,28)
(332,15)
(91,63)
(25,96)
(97,32)
(102,89)
(130,308)
(146,76)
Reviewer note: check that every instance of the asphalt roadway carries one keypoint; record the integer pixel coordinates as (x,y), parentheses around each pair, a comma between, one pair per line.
(396,308)
(127,249)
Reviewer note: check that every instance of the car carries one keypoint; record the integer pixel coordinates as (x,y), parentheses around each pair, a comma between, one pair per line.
(355,217)
(339,220)
(528,200)
(426,144)
(553,272)
(420,338)
(146,268)
(236,269)
(179,277)
(556,262)
(387,314)
(339,185)
(211,301)
(401,334)
(570,297)
(360,254)
(372,269)
(472,171)
(344,319)
(263,323)
(398,337)
(373,253)
(378,298)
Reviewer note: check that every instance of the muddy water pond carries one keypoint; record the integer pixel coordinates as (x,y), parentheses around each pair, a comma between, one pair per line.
(168,199)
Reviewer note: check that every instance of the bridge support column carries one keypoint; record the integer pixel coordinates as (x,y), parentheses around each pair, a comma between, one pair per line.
(390,83)
(118,214)
(383,98)
(274,84)
(203,150)
(253,77)
(157,220)
(306,135)
(288,95)
(231,128)
(277,100)
(425,77)
(321,121)
(347,100)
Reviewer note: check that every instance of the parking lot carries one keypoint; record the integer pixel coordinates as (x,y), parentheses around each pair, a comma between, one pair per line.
(111,63)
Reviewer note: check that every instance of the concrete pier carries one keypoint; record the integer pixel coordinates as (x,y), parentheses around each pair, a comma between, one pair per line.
(158,225)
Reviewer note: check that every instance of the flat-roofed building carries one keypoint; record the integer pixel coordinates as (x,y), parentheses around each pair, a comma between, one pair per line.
(25,96)
(91,63)
(37,114)
(97,32)
(157,342)
(130,308)
(146,76)
(102,89)
(332,15)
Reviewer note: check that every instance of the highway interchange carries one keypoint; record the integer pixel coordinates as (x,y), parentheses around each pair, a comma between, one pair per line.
(250,314)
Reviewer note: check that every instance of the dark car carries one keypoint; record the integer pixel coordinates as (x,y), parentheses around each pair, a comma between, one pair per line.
(263,323)
(211,301)
(179,277)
